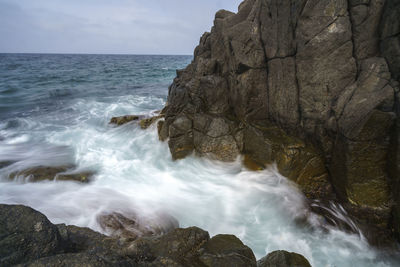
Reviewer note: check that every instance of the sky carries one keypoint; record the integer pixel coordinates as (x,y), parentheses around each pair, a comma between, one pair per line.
(106,26)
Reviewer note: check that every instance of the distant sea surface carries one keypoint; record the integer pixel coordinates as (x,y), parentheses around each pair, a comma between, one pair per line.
(55,110)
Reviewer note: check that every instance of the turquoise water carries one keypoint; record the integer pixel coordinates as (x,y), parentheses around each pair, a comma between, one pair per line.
(55,109)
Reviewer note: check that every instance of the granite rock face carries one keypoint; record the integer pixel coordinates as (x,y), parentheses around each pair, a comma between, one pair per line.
(325,73)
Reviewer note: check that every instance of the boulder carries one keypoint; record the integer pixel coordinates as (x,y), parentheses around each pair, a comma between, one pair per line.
(26,235)
(226,251)
(281,258)
(193,247)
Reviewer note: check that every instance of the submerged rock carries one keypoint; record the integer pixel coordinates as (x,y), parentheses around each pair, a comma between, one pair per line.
(29,239)
(60,173)
(281,258)
(130,227)
(83,177)
(4,164)
(124,119)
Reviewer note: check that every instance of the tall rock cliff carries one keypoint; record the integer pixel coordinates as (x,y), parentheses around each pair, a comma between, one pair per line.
(308,84)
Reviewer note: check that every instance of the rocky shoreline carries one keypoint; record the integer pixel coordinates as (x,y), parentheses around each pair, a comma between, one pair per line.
(311,86)
(28,238)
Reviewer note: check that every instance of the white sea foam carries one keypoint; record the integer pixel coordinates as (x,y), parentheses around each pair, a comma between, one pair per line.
(135,172)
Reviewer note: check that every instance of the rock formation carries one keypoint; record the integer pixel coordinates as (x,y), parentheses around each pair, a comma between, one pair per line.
(311,85)
(28,238)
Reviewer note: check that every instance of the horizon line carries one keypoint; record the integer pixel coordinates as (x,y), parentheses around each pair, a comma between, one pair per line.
(105,54)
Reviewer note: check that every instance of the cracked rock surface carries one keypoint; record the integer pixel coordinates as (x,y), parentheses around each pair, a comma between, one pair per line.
(28,238)
(284,78)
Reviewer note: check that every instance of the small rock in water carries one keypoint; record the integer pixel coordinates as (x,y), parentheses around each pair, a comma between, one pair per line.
(124,119)
(281,258)
(130,227)
(41,173)
(5,163)
(83,177)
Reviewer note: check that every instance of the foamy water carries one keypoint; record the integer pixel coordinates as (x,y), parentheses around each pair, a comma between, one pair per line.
(135,171)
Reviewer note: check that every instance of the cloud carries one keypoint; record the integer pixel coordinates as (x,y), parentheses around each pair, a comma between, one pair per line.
(120,26)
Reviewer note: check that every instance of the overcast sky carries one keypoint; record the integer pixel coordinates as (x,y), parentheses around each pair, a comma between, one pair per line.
(106,26)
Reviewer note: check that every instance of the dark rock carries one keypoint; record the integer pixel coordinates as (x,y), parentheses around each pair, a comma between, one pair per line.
(193,247)
(29,239)
(226,251)
(26,235)
(4,164)
(179,245)
(390,36)
(325,73)
(181,137)
(124,119)
(281,258)
(73,260)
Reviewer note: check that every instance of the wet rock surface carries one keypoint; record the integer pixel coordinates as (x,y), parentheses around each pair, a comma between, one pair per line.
(320,78)
(124,119)
(283,258)
(146,123)
(132,226)
(60,173)
(26,235)
(27,238)
(143,122)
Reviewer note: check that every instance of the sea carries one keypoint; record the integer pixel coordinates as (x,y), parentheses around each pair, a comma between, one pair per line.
(55,110)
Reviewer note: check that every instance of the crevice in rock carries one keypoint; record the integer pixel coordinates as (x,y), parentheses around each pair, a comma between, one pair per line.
(294,33)
(352,39)
(281,57)
(318,33)
(303,7)
(391,36)
(264,52)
